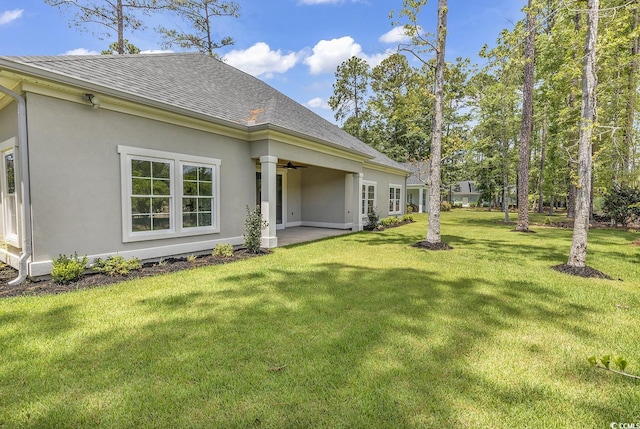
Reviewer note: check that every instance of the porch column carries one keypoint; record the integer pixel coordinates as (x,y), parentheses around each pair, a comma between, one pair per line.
(268,203)
(420,199)
(357,202)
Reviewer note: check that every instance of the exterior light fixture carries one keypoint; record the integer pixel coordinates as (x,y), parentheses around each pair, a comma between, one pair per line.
(95,103)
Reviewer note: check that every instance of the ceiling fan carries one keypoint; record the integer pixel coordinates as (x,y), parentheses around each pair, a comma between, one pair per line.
(290,166)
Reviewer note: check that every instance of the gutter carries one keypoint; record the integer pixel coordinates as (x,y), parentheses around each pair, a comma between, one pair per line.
(23,150)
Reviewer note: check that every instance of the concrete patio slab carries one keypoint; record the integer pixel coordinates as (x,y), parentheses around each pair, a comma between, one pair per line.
(301,234)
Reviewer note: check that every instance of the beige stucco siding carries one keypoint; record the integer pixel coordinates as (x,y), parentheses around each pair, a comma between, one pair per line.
(76,180)
(383,181)
(294,196)
(9,122)
(303,155)
(323,197)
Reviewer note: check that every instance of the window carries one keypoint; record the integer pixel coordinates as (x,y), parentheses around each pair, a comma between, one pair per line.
(167,194)
(394,199)
(9,200)
(197,196)
(151,195)
(368,197)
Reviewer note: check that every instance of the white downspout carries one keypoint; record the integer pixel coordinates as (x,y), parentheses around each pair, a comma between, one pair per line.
(23,150)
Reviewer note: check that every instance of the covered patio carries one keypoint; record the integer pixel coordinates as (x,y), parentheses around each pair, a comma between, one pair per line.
(301,234)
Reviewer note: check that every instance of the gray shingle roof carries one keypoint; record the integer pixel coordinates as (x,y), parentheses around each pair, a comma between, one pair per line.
(419,173)
(203,85)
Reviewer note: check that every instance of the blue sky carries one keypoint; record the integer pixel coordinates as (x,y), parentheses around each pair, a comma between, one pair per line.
(294,45)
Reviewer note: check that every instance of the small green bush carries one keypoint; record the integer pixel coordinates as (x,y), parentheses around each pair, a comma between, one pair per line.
(116,265)
(407,218)
(445,206)
(192,259)
(386,222)
(254,225)
(373,217)
(223,250)
(68,269)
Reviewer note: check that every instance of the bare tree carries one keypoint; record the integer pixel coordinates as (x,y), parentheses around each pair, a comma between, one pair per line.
(527,122)
(578,253)
(435,180)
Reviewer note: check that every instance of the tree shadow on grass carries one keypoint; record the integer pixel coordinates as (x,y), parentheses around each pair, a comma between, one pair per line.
(335,345)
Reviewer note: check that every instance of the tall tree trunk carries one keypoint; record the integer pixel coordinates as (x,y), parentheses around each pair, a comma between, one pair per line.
(578,253)
(527,122)
(571,207)
(634,70)
(571,200)
(505,191)
(542,159)
(433,230)
(120,17)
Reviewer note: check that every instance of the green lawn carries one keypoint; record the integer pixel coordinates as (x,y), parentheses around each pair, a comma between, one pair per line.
(356,331)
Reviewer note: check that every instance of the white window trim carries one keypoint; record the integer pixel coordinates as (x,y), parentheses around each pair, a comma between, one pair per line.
(368,183)
(9,146)
(176,160)
(399,199)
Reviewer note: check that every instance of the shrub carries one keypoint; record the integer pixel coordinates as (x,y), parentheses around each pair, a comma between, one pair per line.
(410,208)
(68,269)
(253,225)
(445,206)
(621,204)
(407,218)
(116,265)
(192,259)
(387,221)
(373,217)
(223,250)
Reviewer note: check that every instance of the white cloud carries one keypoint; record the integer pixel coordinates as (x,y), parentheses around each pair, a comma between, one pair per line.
(10,15)
(395,35)
(259,60)
(318,103)
(376,59)
(329,54)
(81,51)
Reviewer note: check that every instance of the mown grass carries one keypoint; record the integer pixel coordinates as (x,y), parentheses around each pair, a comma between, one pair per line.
(361,330)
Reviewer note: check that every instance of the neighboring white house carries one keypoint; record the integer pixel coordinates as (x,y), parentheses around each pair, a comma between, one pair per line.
(464,193)
(158,155)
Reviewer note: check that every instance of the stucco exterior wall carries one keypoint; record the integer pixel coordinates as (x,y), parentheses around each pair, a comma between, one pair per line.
(9,122)
(76,179)
(383,180)
(323,198)
(294,197)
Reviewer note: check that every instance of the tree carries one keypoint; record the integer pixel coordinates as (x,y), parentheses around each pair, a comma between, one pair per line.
(349,92)
(129,48)
(199,15)
(497,100)
(433,231)
(527,122)
(112,15)
(578,253)
(399,109)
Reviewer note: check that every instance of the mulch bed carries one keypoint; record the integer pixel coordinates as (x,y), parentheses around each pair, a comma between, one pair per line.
(424,244)
(587,272)
(93,280)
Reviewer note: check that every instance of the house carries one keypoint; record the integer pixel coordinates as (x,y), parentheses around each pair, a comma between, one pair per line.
(150,156)
(464,194)
(417,186)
